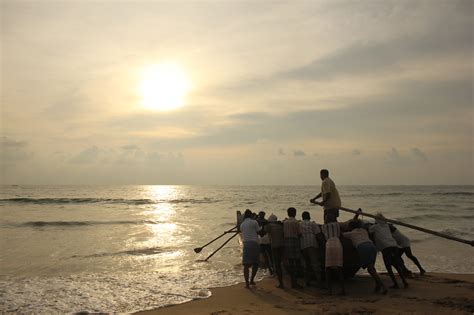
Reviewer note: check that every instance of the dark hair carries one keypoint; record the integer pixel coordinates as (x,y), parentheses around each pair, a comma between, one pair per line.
(305,215)
(291,212)
(247,214)
(324,172)
(261,214)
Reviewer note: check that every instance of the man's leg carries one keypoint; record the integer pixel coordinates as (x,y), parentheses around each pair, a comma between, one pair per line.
(410,255)
(277,253)
(254,273)
(341,280)
(378,282)
(268,251)
(246,275)
(397,263)
(328,280)
(307,261)
(387,260)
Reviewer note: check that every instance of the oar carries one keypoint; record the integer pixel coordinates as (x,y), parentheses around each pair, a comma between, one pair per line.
(413,227)
(199,249)
(221,246)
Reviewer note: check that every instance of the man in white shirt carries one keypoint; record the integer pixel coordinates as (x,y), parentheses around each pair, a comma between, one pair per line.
(331,201)
(251,251)
(389,248)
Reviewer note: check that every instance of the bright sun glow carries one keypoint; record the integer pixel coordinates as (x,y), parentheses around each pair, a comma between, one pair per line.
(164,87)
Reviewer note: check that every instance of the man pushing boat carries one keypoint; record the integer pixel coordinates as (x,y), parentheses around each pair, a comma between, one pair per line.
(331,201)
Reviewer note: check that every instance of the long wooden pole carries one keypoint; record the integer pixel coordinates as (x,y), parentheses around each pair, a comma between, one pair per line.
(457,239)
(199,249)
(236,233)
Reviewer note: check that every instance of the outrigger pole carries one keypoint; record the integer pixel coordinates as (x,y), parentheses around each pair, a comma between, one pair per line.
(236,233)
(199,249)
(457,239)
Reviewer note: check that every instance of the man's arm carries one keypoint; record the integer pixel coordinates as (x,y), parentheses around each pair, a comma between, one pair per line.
(326,197)
(359,211)
(314,199)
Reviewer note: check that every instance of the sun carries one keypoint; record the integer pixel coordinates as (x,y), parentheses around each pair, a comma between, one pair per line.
(164,86)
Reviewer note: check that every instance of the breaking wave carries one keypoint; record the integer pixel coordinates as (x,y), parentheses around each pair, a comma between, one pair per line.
(103,201)
(82,223)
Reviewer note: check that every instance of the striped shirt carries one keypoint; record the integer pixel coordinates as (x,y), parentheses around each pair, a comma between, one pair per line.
(309,230)
(331,230)
(291,228)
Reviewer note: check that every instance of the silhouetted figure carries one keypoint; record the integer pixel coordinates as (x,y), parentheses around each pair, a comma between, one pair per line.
(291,233)
(310,248)
(389,248)
(334,252)
(366,251)
(274,230)
(331,201)
(265,248)
(251,249)
(405,248)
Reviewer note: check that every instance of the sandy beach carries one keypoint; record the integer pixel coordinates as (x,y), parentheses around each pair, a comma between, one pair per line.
(433,293)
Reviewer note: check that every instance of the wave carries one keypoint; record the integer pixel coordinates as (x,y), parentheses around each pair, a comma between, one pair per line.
(132,252)
(436,216)
(456,233)
(455,193)
(103,200)
(362,194)
(82,223)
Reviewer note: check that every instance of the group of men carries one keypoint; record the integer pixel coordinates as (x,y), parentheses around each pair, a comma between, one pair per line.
(293,240)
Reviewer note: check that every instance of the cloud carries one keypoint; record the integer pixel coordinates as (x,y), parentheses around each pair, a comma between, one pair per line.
(299,153)
(130,147)
(413,156)
(126,154)
(13,151)
(418,154)
(89,155)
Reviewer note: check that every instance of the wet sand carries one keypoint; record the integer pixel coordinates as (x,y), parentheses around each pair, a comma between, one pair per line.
(429,294)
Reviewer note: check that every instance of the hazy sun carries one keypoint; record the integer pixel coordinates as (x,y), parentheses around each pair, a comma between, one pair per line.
(164,86)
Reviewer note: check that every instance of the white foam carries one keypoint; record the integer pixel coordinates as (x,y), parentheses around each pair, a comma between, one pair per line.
(127,292)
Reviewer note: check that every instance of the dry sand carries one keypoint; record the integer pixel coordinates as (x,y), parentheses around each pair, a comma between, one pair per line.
(429,294)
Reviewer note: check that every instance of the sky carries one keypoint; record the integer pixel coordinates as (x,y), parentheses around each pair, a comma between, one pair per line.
(378,92)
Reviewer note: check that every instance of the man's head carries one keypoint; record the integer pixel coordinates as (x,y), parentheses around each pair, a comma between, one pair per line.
(379,218)
(324,173)
(305,216)
(272,218)
(261,215)
(248,213)
(291,212)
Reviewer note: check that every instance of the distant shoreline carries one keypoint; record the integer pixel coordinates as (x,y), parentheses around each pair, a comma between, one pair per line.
(433,293)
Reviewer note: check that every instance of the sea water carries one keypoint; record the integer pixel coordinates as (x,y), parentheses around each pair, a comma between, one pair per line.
(130,248)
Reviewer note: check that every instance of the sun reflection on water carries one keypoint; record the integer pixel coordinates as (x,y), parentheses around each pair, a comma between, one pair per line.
(166,233)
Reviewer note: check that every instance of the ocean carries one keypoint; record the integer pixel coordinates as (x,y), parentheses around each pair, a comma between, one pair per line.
(130,248)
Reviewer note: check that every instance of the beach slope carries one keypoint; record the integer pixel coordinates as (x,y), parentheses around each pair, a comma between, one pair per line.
(430,294)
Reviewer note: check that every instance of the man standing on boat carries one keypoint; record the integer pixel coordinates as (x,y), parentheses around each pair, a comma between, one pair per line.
(331,201)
